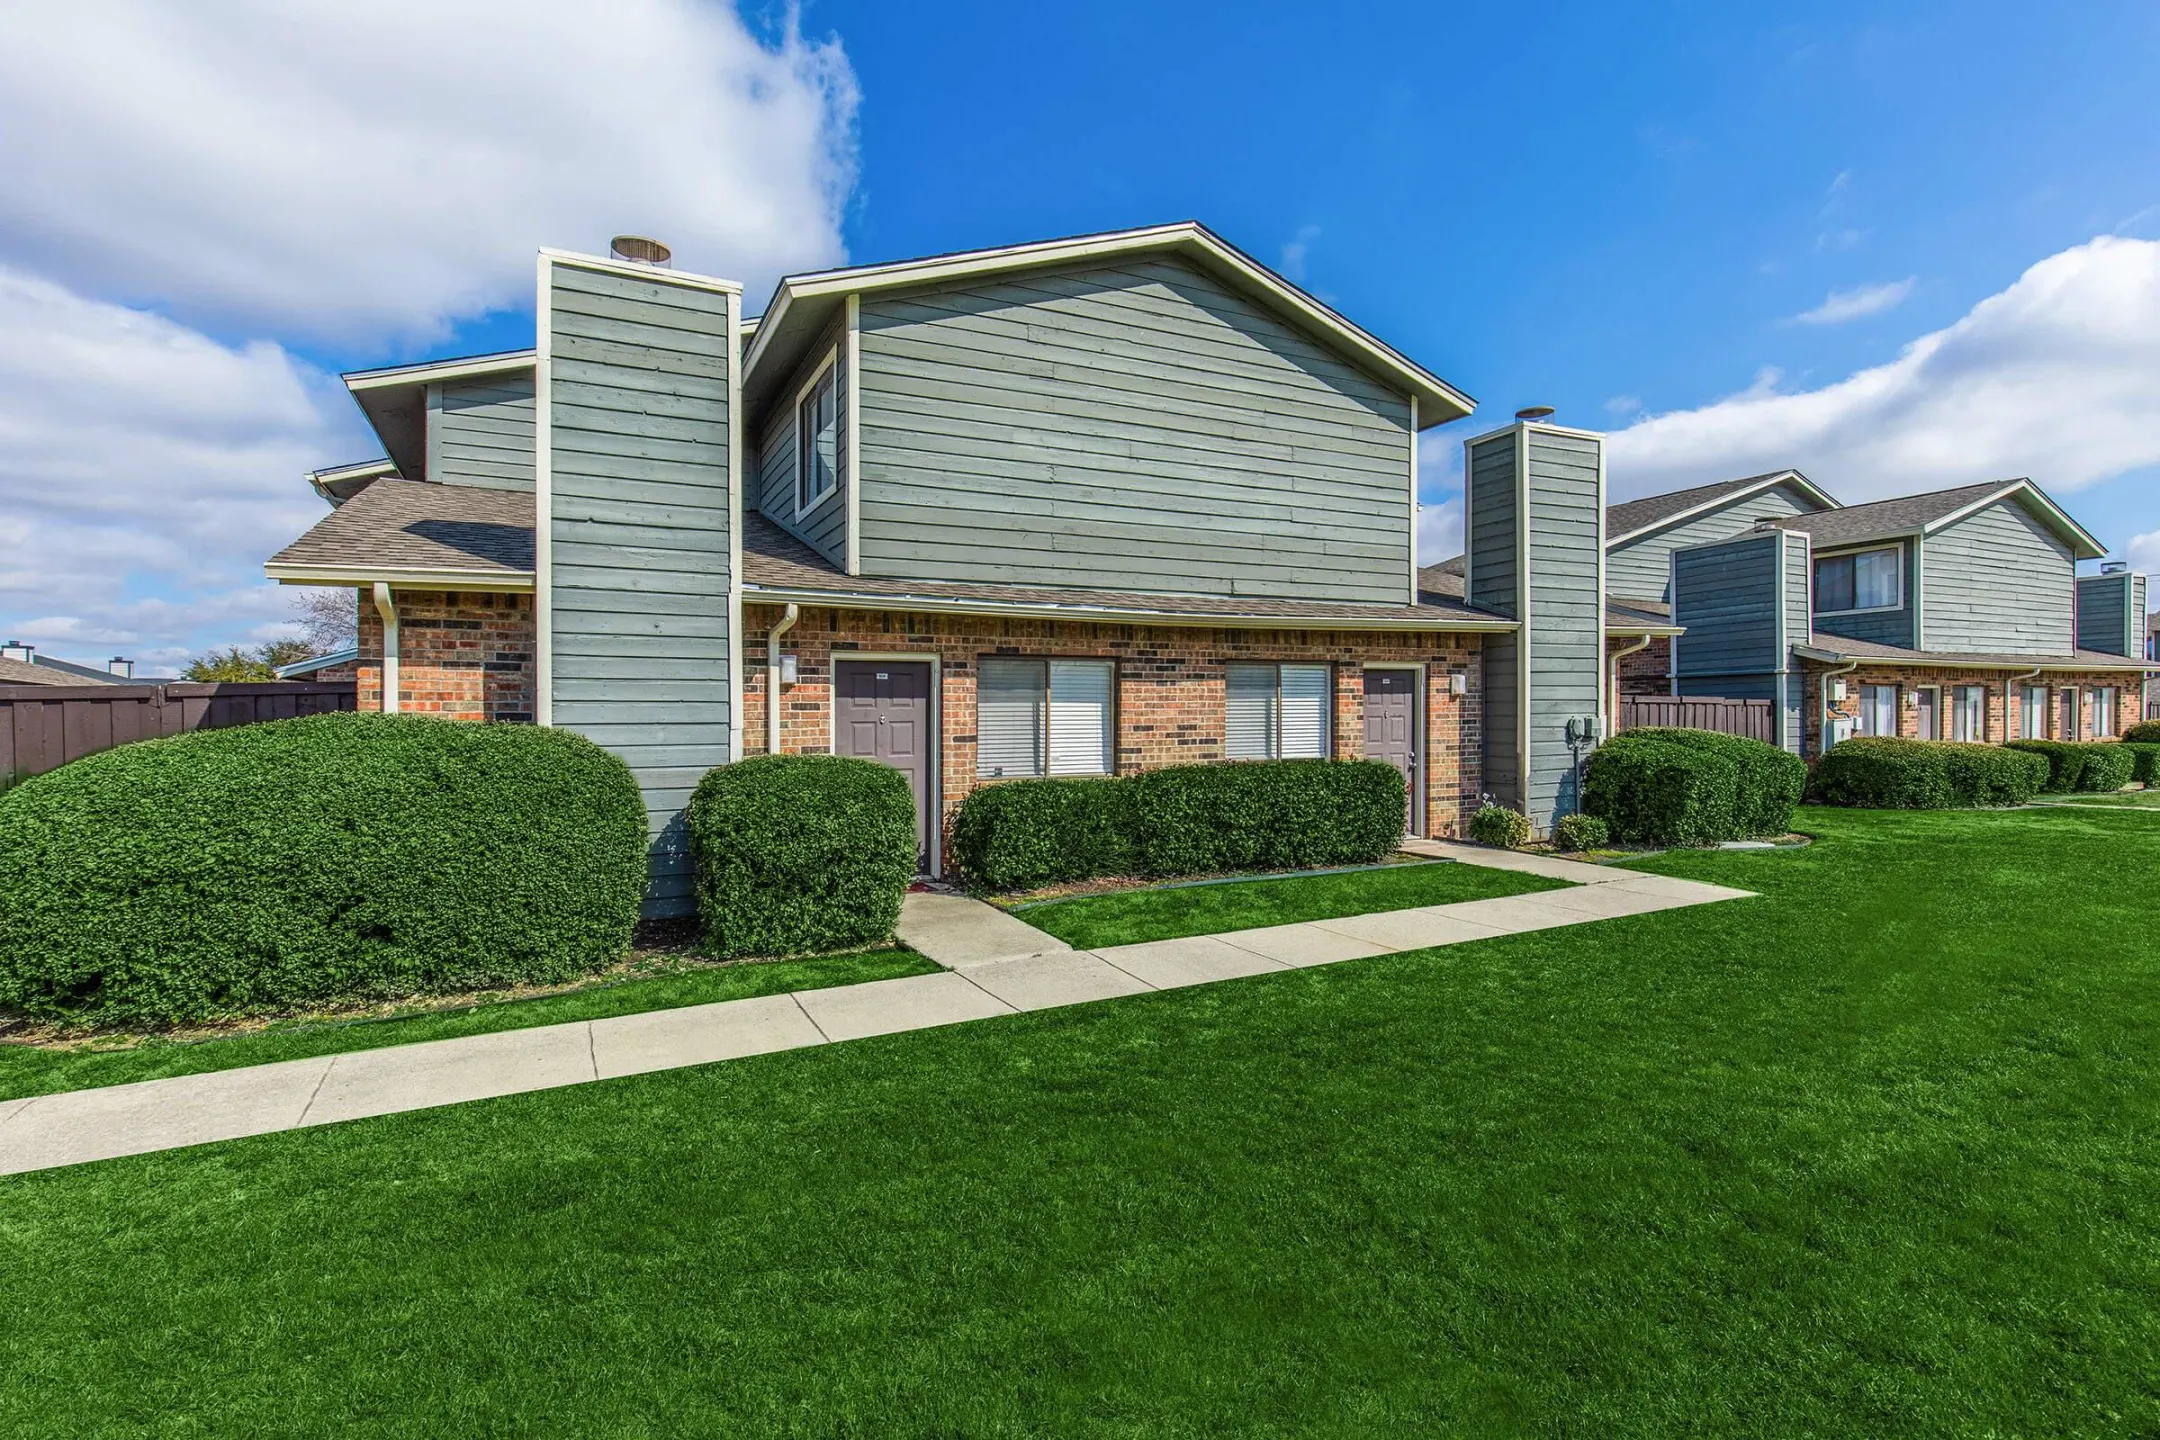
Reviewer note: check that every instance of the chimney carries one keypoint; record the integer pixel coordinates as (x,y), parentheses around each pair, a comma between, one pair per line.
(1534,543)
(16,650)
(640,250)
(122,666)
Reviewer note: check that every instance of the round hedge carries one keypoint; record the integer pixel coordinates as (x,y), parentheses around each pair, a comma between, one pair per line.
(801,853)
(1662,785)
(1500,827)
(2145,732)
(239,872)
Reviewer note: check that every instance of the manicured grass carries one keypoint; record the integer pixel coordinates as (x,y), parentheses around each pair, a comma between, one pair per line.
(2139,799)
(38,1070)
(1871,1155)
(1166,914)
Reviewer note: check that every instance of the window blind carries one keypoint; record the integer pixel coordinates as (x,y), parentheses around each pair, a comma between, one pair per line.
(1009,704)
(1304,709)
(1080,732)
(1249,718)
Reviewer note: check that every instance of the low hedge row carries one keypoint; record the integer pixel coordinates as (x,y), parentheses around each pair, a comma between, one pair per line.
(2145,732)
(1882,773)
(800,853)
(239,872)
(1665,786)
(2083,765)
(1183,820)
(2145,761)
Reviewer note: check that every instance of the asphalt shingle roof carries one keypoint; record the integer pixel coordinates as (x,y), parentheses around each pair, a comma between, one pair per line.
(1889,517)
(1446,579)
(1869,650)
(411,525)
(1632,515)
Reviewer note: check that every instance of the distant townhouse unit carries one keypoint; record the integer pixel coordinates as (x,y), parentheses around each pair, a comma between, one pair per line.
(1079,507)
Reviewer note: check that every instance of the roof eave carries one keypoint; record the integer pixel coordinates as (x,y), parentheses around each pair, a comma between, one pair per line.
(1053,610)
(400,577)
(1782,477)
(2077,534)
(2047,663)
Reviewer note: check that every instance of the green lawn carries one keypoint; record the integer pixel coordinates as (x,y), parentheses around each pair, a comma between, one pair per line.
(29,1070)
(2140,799)
(1136,915)
(1873,1155)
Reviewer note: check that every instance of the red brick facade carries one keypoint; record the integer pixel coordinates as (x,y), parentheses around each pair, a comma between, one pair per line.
(1170,688)
(460,656)
(2005,689)
(1642,672)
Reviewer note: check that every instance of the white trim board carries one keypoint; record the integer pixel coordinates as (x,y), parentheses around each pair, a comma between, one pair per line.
(511,581)
(951,605)
(1731,497)
(543,493)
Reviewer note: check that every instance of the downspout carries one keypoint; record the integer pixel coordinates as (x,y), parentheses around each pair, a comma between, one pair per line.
(386,606)
(1613,690)
(2008,681)
(772,675)
(1822,728)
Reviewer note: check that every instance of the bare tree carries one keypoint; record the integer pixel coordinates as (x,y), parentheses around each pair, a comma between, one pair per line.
(329,618)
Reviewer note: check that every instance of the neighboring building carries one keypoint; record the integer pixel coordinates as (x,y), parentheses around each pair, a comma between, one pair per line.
(1956,614)
(2152,653)
(20,664)
(337,665)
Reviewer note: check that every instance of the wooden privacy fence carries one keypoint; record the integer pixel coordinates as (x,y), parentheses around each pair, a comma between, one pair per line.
(1751,718)
(42,727)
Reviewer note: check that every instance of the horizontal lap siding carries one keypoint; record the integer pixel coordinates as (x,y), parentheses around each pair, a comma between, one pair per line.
(639,528)
(1882,627)
(1640,569)
(1566,622)
(480,432)
(1727,597)
(1998,582)
(1491,539)
(1131,427)
(1799,576)
(2104,615)
(824,528)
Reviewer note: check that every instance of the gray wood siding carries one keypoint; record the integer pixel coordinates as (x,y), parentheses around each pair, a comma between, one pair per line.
(824,528)
(480,432)
(1489,506)
(1997,582)
(2109,618)
(1726,594)
(1640,567)
(1881,627)
(639,526)
(1792,685)
(1134,426)
(1566,618)
(1503,709)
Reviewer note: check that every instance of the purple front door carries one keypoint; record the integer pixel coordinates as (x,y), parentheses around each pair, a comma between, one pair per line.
(881,711)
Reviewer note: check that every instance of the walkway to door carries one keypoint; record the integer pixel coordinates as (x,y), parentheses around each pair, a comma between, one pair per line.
(1000,966)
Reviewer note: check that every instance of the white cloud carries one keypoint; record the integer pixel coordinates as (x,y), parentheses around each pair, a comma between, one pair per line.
(1857,303)
(2057,378)
(2143,553)
(1439,531)
(1297,251)
(340,170)
(1623,405)
(146,472)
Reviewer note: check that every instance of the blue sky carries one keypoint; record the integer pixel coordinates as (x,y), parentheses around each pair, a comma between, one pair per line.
(1696,212)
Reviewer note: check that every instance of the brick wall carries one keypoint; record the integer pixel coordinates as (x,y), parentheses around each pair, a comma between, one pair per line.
(1643,672)
(2005,713)
(462,656)
(1169,690)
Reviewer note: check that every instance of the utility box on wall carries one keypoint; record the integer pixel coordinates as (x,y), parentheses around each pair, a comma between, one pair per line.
(1534,507)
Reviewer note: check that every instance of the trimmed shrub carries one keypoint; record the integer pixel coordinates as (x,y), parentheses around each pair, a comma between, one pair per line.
(2145,766)
(1884,773)
(1581,832)
(2145,732)
(297,862)
(1018,834)
(800,853)
(2083,765)
(1666,786)
(1184,820)
(1500,827)
(1265,815)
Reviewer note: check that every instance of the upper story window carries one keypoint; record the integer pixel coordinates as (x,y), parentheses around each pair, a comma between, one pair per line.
(1277,712)
(817,440)
(1863,580)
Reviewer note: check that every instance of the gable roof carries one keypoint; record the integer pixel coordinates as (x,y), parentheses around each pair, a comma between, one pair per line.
(1632,519)
(1935,510)
(414,533)
(804,305)
(394,399)
(1622,617)
(25,672)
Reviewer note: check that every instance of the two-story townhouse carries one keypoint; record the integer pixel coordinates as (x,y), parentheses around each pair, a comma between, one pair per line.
(1086,506)
(1955,614)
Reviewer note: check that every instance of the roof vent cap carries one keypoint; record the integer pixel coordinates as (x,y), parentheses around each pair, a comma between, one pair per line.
(2114,567)
(1534,412)
(640,250)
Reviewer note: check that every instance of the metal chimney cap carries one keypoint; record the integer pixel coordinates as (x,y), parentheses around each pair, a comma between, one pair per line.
(640,250)
(1534,412)
(2114,567)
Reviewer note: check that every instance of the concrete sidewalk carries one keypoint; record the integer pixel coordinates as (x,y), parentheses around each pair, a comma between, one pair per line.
(998,969)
